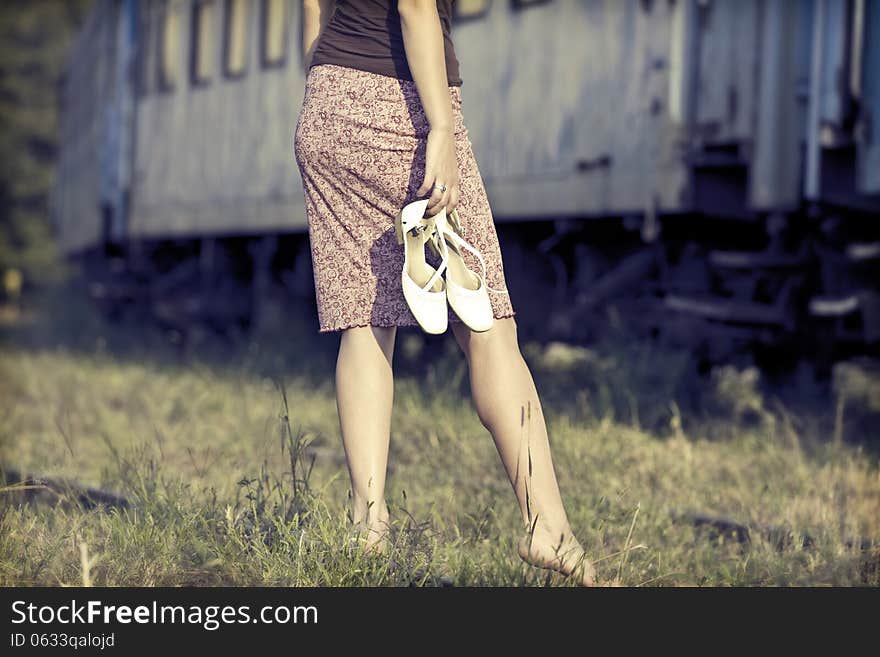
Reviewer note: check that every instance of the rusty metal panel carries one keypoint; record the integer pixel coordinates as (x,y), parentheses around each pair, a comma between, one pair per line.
(834,59)
(87,90)
(775,174)
(217,157)
(573,107)
(728,58)
(868,133)
(568,107)
(117,147)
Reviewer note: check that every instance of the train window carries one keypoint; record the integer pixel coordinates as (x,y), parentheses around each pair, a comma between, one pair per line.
(202,41)
(169,44)
(273,31)
(464,9)
(523,4)
(235,37)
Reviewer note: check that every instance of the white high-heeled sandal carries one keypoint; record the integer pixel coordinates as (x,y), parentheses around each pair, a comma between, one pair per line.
(466,291)
(423,286)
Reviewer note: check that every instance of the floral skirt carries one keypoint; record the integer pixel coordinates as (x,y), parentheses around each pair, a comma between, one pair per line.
(360,146)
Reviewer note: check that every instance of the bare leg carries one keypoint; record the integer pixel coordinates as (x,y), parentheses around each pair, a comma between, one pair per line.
(364,396)
(507,403)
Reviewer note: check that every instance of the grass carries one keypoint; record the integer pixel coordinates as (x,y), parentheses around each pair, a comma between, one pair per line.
(233,469)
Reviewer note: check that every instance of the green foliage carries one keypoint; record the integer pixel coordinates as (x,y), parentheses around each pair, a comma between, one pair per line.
(34,37)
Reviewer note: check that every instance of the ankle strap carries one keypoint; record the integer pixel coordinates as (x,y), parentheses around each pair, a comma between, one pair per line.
(442,223)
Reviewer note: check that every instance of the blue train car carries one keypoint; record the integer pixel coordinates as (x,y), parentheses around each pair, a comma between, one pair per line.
(735,144)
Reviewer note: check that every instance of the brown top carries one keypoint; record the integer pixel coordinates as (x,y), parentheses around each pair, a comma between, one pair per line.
(366,34)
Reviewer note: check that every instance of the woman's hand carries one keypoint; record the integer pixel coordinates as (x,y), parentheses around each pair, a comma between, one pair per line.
(441,168)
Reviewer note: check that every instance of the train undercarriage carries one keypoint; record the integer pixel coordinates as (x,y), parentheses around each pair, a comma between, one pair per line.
(780,287)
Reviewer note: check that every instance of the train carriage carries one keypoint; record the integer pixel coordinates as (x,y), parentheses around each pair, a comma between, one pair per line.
(667,116)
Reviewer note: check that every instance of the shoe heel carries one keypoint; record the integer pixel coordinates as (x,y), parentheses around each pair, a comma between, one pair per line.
(432,245)
(398,227)
(433,248)
(452,217)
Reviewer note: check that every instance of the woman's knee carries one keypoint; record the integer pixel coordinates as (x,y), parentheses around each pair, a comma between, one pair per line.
(502,336)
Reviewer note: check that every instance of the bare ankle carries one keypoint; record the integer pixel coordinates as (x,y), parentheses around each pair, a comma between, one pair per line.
(559,530)
(370,514)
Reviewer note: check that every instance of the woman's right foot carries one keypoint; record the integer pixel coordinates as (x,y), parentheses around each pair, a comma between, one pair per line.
(563,555)
(376,542)
(373,538)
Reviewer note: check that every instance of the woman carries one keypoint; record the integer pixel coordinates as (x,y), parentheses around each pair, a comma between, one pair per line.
(381,126)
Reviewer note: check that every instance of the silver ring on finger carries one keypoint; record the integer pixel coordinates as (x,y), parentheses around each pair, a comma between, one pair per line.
(441,187)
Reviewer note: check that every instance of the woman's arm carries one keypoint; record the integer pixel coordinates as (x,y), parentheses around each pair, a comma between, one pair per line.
(316,15)
(423,42)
